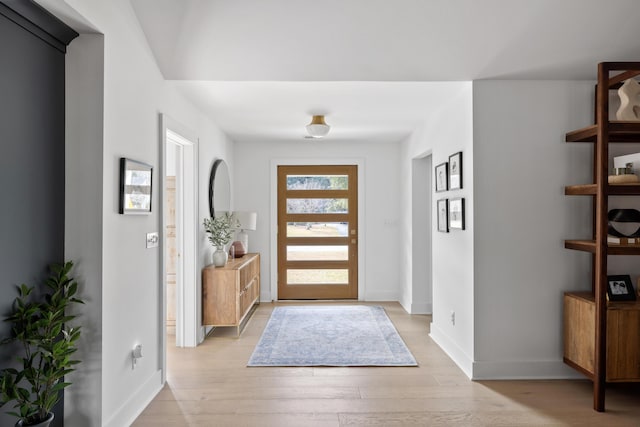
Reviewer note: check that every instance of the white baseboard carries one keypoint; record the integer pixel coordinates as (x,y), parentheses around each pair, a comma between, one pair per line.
(503,370)
(381,296)
(421,308)
(132,408)
(453,351)
(524,370)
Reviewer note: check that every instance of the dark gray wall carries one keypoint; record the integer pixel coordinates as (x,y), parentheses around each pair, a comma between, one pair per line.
(31,163)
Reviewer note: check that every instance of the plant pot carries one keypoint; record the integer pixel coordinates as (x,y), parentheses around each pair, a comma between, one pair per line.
(44,423)
(220,257)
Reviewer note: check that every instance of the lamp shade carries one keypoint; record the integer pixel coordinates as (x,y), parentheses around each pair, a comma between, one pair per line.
(318,128)
(247,220)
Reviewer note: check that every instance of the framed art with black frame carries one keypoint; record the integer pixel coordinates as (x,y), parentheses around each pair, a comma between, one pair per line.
(135,187)
(443,215)
(619,288)
(442,177)
(455,171)
(456,214)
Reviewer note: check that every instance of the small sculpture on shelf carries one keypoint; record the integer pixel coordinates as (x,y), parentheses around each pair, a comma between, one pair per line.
(623,175)
(629,94)
(623,227)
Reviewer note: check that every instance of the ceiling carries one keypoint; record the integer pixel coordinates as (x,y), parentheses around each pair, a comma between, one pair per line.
(261,68)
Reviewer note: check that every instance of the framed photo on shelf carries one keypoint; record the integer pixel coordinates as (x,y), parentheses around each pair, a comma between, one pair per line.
(442,177)
(456,214)
(135,187)
(455,171)
(443,215)
(619,288)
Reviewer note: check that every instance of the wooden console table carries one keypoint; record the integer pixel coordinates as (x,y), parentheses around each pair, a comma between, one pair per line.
(231,293)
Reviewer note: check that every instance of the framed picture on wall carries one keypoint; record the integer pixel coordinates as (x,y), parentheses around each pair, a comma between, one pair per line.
(456,214)
(455,171)
(442,177)
(619,288)
(443,215)
(135,187)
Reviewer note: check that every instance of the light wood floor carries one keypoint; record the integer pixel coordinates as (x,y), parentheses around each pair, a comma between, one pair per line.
(211,386)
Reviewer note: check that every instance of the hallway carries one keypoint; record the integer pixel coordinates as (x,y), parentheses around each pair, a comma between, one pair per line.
(211,386)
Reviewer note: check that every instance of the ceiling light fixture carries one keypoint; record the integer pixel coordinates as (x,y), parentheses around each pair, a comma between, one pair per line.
(318,128)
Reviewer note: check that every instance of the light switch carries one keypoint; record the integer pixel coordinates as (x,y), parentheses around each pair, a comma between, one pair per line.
(152,240)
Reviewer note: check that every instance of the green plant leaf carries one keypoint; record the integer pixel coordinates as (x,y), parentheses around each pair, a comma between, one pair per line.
(39,325)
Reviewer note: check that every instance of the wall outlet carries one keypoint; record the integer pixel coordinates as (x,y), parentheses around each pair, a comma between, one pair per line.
(453,318)
(152,239)
(135,355)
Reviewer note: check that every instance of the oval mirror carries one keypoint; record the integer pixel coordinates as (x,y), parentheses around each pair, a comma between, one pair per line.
(219,188)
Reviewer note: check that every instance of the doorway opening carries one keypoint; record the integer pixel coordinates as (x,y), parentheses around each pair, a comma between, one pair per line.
(179,222)
(318,232)
(421,226)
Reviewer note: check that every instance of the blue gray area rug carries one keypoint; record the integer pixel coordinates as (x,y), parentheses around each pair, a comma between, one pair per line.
(330,336)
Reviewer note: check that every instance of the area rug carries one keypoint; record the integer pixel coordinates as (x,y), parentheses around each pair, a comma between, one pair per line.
(330,336)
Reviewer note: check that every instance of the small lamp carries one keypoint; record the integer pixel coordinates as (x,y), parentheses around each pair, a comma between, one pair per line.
(247,221)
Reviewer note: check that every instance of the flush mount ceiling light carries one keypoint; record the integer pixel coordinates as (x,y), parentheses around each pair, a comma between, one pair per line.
(318,128)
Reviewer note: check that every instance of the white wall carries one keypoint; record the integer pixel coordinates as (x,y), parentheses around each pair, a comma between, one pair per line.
(124,278)
(522,216)
(83,218)
(378,235)
(445,132)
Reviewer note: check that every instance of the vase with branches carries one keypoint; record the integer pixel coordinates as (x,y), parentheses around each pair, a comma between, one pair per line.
(220,230)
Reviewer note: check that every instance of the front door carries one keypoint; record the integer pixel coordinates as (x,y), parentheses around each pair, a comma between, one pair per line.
(318,232)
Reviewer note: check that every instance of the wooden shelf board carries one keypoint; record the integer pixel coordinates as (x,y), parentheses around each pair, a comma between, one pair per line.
(619,131)
(581,190)
(584,295)
(590,246)
(625,189)
(623,250)
(581,245)
(585,134)
(632,189)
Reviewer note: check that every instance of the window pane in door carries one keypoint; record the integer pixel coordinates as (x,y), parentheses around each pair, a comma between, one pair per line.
(315,277)
(317,206)
(317,182)
(317,229)
(318,253)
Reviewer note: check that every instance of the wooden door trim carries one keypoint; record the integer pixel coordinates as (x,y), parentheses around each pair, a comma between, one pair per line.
(307,291)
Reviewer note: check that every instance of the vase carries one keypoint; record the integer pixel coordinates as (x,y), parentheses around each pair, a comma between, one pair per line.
(629,109)
(44,423)
(220,257)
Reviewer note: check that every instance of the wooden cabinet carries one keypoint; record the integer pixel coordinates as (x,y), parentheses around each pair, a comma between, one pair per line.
(229,293)
(623,339)
(601,338)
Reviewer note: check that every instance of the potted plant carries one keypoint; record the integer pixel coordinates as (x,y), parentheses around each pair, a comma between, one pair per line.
(41,327)
(219,230)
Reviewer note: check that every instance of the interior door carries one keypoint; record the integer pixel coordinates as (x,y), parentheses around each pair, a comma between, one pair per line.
(318,232)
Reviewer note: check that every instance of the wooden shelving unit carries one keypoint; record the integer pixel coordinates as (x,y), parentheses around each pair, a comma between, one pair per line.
(594,329)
